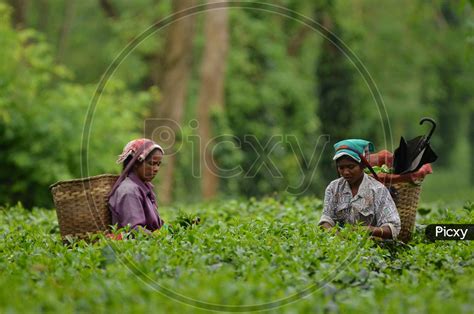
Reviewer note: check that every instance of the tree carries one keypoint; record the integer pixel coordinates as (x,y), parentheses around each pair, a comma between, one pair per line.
(109,10)
(335,80)
(44,13)
(19,12)
(470,136)
(68,17)
(454,88)
(42,119)
(173,85)
(211,92)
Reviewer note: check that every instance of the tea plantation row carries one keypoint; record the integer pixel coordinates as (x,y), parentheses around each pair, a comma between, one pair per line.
(247,255)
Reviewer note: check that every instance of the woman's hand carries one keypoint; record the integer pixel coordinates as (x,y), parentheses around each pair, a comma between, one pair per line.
(114,236)
(325,225)
(383,232)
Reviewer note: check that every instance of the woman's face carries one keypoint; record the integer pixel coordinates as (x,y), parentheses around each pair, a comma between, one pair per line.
(349,169)
(148,169)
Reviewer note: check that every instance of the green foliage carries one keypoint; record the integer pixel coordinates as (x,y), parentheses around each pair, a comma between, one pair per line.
(225,153)
(185,220)
(382,169)
(335,87)
(43,119)
(243,253)
(268,98)
(455,80)
(419,57)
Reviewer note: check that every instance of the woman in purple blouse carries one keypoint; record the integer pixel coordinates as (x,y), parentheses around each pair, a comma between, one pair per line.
(132,201)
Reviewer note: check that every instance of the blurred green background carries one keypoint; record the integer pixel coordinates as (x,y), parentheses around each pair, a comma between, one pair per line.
(259,80)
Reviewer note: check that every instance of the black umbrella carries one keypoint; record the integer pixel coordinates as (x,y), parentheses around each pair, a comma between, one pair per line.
(412,154)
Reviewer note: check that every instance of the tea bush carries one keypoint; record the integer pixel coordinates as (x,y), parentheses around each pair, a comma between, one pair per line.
(245,255)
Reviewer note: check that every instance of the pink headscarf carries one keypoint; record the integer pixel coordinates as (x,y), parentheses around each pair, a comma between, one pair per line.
(139,149)
(144,145)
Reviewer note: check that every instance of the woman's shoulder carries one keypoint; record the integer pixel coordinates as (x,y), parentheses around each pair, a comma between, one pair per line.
(127,186)
(374,184)
(334,184)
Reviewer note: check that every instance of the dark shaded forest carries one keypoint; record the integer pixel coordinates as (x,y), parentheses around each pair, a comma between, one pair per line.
(246,98)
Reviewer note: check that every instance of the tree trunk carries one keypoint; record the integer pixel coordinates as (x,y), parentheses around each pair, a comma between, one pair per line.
(451,97)
(296,42)
(164,127)
(19,12)
(211,92)
(471,140)
(109,9)
(43,8)
(334,90)
(69,9)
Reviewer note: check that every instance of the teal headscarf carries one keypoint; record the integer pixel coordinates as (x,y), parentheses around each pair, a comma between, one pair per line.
(362,147)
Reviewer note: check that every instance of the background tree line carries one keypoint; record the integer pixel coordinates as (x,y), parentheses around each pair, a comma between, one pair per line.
(266,84)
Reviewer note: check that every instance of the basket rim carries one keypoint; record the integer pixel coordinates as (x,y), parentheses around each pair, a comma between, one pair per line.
(410,184)
(387,180)
(91,178)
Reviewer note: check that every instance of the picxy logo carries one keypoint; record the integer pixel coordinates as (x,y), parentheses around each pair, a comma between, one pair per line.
(450,232)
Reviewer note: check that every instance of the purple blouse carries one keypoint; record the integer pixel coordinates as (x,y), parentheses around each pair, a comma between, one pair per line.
(134,203)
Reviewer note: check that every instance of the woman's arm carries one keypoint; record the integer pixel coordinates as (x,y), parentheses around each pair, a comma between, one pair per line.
(327,219)
(325,225)
(383,232)
(386,215)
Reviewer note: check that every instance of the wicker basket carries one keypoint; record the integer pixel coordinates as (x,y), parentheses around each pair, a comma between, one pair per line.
(405,188)
(81,205)
(406,199)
